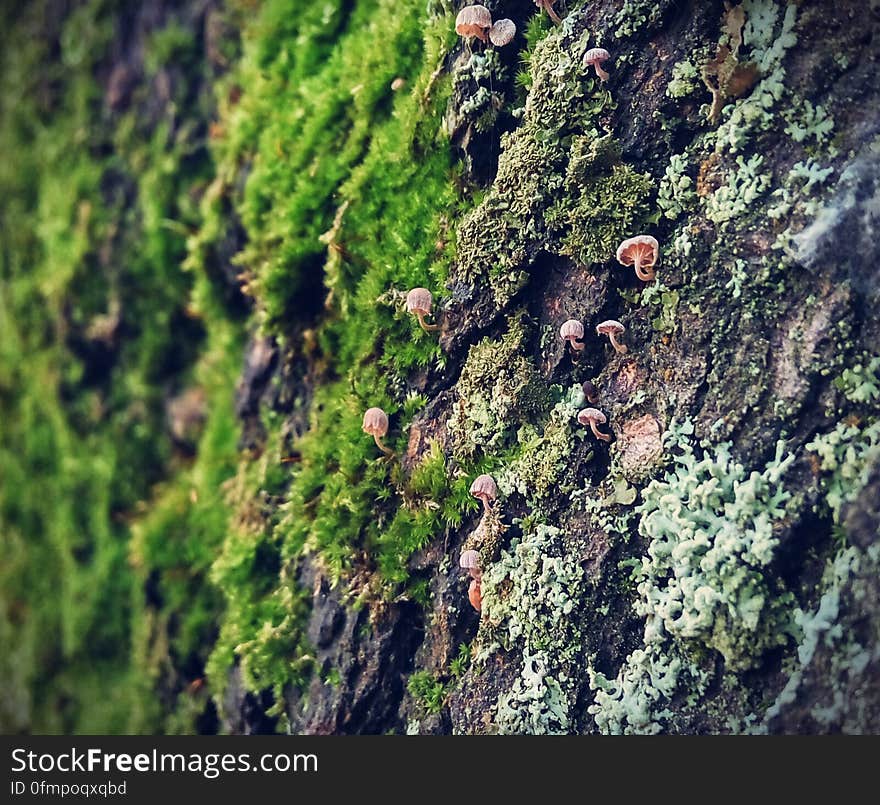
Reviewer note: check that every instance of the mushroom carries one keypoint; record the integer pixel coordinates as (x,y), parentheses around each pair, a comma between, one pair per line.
(591,391)
(547,5)
(594,58)
(612,329)
(473,21)
(475,595)
(376,424)
(418,302)
(593,417)
(470,561)
(641,252)
(502,32)
(484,488)
(571,331)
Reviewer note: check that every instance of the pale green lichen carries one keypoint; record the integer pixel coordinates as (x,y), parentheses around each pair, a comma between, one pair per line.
(820,629)
(484,71)
(529,597)
(676,193)
(705,582)
(685,80)
(808,122)
(744,186)
(633,15)
(861,383)
(795,189)
(711,529)
(753,114)
(664,303)
(847,455)
(633,702)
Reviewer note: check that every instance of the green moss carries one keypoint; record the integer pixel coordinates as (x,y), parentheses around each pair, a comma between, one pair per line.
(543,467)
(429,691)
(173,44)
(560,185)
(95,329)
(498,388)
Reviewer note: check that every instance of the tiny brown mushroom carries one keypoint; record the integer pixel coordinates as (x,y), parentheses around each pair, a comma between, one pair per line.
(475,595)
(571,331)
(376,424)
(470,561)
(502,32)
(594,58)
(473,21)
(547,5)
(484,488)
(612,329)
(419,302)
(591,391)
(641,252)
(593,417)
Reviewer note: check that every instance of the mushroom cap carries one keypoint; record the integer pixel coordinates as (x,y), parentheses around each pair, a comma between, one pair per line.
(594,55)
(610,326)
(594,415)
(484,487)
(470,560)
(419,300)
(475,595)
(502,32)
(473,20)
(572,329)
(375,422)
(640,244)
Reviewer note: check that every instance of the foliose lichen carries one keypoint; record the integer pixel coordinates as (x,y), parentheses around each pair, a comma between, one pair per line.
(529,596)
(705,583)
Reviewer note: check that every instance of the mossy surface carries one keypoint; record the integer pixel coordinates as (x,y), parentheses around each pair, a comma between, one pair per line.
(207,239)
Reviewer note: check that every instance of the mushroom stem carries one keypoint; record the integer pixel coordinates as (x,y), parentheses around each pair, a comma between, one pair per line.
(486,507)
(548,7)
(575,348)
(644,273)
(598,434)
(621,348)
(382,447)
(426,327)
(603,75)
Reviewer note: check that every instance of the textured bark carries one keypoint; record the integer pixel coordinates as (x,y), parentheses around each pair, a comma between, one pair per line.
(740,369)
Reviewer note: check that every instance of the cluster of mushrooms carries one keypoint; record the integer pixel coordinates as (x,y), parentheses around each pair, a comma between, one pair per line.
(640,252)
(475,22)
(485,490)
